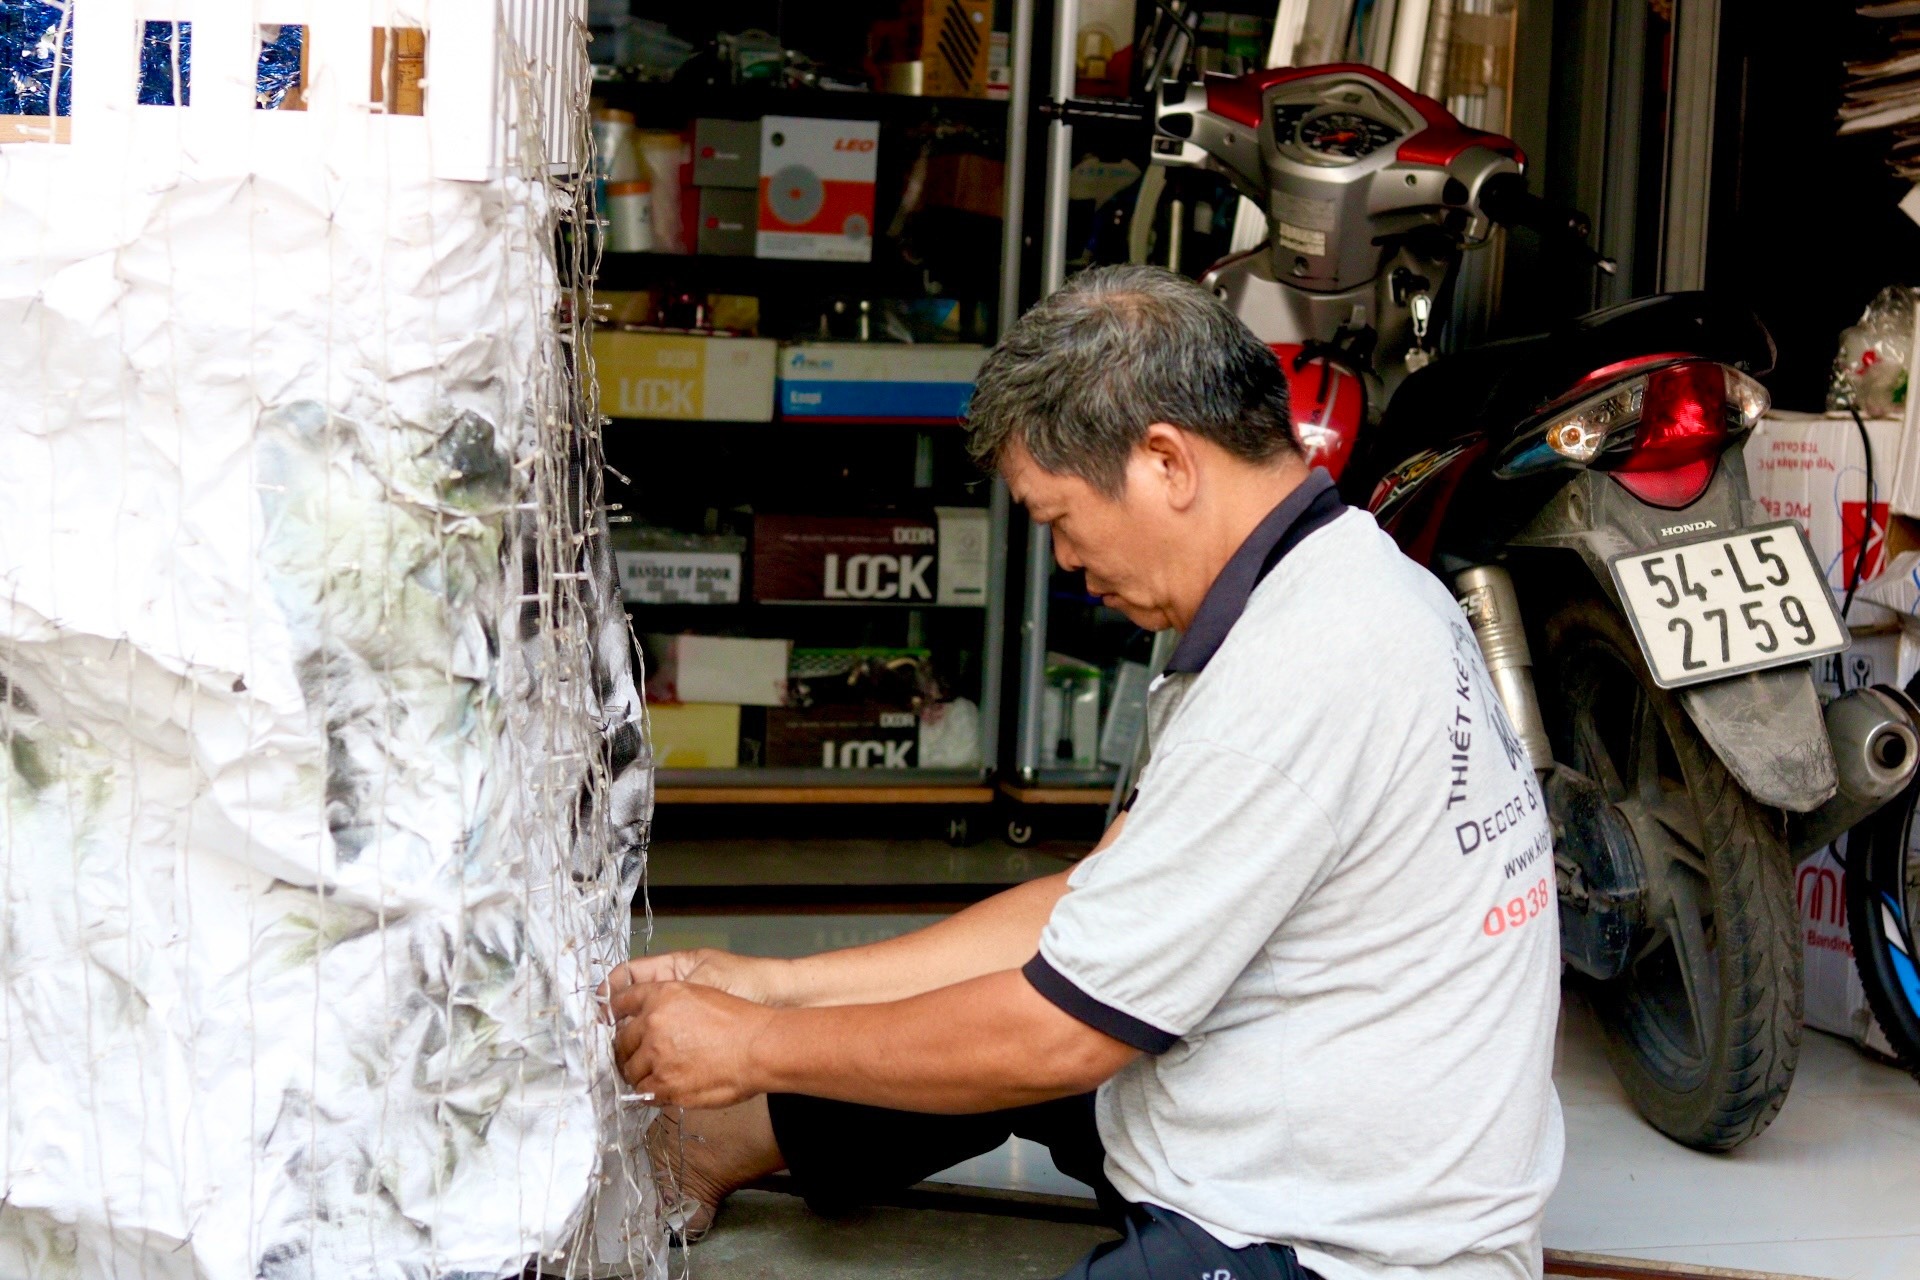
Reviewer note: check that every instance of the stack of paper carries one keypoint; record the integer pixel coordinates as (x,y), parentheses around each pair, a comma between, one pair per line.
(1883,90)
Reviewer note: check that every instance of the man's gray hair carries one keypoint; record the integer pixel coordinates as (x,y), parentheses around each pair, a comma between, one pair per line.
(1078,379)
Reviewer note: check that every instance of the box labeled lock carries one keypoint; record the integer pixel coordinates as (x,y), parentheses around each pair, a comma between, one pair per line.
(843,736)
(685,376)
(866,559)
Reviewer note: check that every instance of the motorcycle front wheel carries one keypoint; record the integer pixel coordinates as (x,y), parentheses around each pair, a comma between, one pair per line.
(1703,1028)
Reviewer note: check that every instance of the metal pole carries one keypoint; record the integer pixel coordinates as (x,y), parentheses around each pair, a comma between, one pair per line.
(1696,69)
(1012,256)
(1621,198)
(1053,271)
(1019,112)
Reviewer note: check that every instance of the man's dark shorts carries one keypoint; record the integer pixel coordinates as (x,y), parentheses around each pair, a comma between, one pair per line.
(841,1155)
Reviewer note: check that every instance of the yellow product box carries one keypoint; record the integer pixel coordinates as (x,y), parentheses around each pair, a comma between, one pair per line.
(685,376)
(695,735)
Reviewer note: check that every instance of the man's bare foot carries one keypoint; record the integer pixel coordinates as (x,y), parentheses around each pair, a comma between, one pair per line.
(708,1155)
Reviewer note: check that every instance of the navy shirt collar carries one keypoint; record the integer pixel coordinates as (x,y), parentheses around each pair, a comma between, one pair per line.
(1314,504)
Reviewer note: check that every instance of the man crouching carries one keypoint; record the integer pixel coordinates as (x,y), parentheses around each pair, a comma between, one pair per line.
(1263,1018)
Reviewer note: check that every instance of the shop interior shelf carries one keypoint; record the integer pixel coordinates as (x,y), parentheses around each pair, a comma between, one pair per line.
(821,786)
(709,610)
(725,273)
(1101,780)
(1082,795)
(653,103)
(788,424)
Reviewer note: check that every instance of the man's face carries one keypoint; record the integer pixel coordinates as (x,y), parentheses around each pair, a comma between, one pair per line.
(1120,542)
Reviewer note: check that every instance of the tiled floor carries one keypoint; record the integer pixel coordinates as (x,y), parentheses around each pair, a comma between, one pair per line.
(1832,1190)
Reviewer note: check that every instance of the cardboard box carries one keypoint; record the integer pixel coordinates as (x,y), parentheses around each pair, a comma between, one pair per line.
(843,736)
(865,558)
(961,548)
(878,381)
(968,182)
(1810,468)
(718,669)
(1070,713)
(816,188)
(694,735)
(1904,497)
(1103,63)
(1884,655)
(685,376)
(727,228)
(661,567)
(726,153)
(1835,1000)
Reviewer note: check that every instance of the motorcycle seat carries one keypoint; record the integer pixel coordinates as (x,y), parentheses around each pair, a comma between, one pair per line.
(1492,389)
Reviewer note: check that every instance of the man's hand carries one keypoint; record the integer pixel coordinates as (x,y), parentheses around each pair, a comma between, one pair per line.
(747,977)
(686,1045)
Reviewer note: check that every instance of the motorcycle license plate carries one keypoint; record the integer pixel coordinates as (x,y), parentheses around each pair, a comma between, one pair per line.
(1727,605)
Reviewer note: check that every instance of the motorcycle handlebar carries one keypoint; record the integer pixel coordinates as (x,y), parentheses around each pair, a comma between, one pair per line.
(1505,199)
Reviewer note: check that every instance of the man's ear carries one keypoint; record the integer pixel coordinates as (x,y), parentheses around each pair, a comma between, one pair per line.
(1171,462)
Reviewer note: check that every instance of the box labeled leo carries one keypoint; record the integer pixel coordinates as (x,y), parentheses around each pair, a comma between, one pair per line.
(816,188)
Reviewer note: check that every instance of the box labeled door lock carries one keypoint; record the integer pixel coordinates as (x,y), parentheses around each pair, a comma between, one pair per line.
(856,559)
(673,375)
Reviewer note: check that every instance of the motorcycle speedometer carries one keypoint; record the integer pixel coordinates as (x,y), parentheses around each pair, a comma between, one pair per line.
(1345,135)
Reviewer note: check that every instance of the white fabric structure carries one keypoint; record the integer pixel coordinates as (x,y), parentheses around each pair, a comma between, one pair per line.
(324,791)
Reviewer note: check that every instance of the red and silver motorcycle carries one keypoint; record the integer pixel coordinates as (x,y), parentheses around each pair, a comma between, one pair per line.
(1584,493)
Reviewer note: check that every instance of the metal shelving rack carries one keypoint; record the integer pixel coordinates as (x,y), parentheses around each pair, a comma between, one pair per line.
(822,786)
(1032,780)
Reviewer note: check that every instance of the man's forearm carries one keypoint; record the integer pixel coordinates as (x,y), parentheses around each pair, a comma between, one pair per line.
(999,933)
(984,1044)
(993,936)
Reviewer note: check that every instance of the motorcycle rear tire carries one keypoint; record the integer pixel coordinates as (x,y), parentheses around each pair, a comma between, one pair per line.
(1713,847)
(1882,893)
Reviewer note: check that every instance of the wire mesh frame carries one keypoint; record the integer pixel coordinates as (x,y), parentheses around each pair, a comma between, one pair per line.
(581,752)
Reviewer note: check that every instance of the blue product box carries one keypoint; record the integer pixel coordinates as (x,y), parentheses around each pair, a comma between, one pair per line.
(840,381)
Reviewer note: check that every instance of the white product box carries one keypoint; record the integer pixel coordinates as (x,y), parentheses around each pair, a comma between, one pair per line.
(1905,497)
(679,577)
(890,381)
(1885,655)
(1070,713)
(1835,1001)
(816,188)
(1810,468)
(961,572)
(730,669)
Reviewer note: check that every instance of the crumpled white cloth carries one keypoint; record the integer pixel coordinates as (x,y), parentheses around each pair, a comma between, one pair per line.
(323,792)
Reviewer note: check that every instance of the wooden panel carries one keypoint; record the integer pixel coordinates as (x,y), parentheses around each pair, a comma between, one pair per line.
(1592,1266)
(1091,796)
(34,129)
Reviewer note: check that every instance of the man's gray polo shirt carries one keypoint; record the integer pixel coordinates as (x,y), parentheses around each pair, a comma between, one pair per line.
(1329,925)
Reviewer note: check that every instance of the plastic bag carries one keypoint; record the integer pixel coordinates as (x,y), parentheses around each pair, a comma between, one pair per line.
(1870,371)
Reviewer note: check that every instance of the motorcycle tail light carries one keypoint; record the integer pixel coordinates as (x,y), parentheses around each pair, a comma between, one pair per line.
(1691,411)
(1658,433)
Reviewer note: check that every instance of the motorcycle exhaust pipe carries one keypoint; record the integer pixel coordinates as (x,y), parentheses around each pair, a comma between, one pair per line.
(1492,607)
(1876,750)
